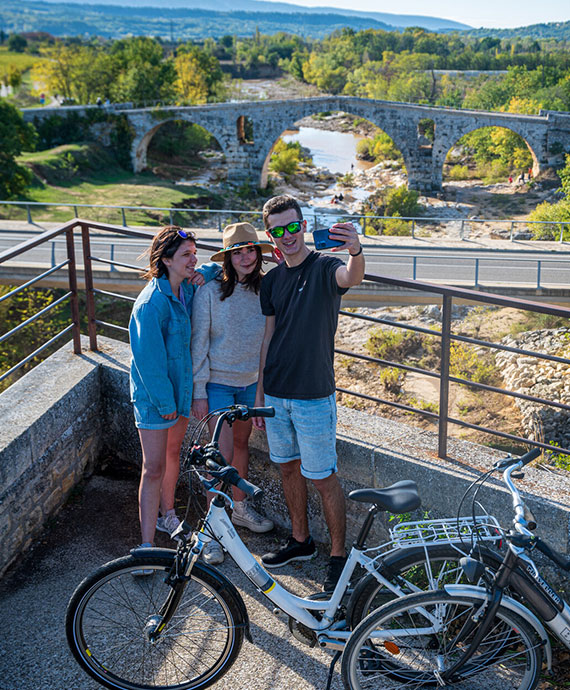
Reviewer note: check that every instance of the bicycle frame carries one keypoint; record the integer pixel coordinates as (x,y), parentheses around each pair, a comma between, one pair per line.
(300,609)
(330,633)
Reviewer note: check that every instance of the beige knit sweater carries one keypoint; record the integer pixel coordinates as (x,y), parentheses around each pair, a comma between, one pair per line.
(226,337)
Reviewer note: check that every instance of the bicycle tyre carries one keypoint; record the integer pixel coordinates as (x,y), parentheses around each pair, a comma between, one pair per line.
(508,658)
(107,614)
(410,566)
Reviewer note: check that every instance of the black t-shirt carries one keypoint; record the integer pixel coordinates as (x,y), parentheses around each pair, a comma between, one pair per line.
(305,300)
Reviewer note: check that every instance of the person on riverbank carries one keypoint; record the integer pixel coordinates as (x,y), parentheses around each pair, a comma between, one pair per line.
(161,371)
(300,300)
(227,330)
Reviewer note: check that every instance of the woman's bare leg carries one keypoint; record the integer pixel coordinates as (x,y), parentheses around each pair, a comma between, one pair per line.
(153,443)
(174,444)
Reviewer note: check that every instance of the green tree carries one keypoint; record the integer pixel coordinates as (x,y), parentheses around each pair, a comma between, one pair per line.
(199,75)
(558,212)
(15,137)
(144,76)
(17,43)
(79,73)
(17,309)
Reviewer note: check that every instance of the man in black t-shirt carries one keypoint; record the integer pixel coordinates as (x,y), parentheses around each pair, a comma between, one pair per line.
(300,300)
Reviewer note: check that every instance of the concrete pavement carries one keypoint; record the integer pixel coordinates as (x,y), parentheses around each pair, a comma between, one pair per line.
(99,524)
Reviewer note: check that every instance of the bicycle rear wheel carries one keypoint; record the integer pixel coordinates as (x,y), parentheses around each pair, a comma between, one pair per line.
(108,615)
(413,569)
(410,641)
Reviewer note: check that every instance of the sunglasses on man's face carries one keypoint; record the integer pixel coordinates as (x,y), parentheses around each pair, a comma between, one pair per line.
(292,228)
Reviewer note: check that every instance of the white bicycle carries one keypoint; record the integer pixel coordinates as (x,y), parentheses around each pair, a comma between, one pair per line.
(181,625)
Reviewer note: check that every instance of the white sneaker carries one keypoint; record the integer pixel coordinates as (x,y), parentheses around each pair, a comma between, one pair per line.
(167,523)
(245,515)
(212,553)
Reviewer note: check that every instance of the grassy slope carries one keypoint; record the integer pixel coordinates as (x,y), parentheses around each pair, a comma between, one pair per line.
(21,61)
(86,174)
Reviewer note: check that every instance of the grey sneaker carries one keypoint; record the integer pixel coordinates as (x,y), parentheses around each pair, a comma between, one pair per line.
(212,553)
(245,515)
(167,523)
(143,572)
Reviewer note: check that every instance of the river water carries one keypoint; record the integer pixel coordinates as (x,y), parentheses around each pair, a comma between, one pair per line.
(335,151)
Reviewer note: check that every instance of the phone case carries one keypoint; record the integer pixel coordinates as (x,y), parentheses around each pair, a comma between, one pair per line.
(322,241)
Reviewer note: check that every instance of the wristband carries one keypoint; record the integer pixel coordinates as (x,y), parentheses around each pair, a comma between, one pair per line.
(358,253)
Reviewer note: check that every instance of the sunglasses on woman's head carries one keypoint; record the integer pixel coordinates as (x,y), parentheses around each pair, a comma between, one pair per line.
(292,228)
(184,235)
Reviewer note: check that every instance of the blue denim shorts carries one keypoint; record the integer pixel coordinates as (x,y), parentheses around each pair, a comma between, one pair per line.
(220,395)
(303,429)
(147,417)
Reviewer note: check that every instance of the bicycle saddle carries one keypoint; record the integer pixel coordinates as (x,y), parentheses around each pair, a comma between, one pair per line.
(401,497)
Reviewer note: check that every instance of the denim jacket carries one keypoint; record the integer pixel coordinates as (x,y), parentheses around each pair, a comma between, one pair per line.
(159,330)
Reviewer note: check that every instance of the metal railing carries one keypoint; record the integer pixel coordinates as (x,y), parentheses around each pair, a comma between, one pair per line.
(444,294)
(70,296)
(474,269)
(221,217)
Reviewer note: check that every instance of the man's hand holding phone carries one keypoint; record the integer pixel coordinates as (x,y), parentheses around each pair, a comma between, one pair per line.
(339,237)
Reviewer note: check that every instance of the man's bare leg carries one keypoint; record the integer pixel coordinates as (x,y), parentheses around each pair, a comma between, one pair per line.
(295,490)
(334,509)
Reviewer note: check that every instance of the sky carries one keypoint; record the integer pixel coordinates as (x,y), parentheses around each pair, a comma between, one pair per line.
(499,14)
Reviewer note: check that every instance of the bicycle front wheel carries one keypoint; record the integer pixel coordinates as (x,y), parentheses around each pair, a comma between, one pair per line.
(110,613)
(411,641)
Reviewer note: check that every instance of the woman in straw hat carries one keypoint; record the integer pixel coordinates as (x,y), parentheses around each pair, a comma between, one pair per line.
(227,330)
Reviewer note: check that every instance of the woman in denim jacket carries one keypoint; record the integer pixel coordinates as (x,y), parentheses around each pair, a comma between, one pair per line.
(161,371)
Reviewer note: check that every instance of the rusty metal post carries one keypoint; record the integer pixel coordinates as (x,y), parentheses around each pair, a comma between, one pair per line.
(444,373)
(89,294)
(74,303)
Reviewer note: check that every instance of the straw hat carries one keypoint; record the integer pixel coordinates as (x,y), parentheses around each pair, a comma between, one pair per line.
(241,235)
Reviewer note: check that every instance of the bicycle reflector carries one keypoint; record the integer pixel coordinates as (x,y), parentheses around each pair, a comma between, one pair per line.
(391,647)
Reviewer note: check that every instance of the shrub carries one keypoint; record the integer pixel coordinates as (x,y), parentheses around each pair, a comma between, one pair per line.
(397,227)
(347,180)
(395,201)
(458,172)
(392,345)
(286,157)
(558,213)
(466,363)
(493,171)
(391,379)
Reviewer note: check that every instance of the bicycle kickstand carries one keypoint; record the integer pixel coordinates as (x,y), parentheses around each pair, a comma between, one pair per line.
(335,658)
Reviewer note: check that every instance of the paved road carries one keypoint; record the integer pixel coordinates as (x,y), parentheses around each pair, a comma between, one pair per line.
(485,262)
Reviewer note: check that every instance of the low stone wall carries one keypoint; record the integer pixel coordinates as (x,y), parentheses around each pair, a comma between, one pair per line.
(70,410)
(542,379)
(57,421)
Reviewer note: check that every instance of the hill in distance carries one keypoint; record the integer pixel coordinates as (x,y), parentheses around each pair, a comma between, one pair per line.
(390,21)
(196,20)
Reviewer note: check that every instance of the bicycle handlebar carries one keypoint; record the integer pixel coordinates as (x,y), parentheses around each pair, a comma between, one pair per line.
(523,460)
(239,413)
(230,475)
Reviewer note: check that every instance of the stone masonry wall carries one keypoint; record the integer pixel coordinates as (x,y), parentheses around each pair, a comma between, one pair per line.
(542,379)
(55,424)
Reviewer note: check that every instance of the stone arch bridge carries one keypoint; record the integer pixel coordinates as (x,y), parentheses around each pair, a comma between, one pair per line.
(247,131)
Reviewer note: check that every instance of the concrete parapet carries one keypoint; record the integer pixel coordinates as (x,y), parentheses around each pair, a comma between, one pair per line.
(62,416)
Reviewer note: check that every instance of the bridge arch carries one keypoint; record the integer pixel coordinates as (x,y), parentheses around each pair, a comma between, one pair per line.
(368,137)
(141,142)
(442,145)
(275,129)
